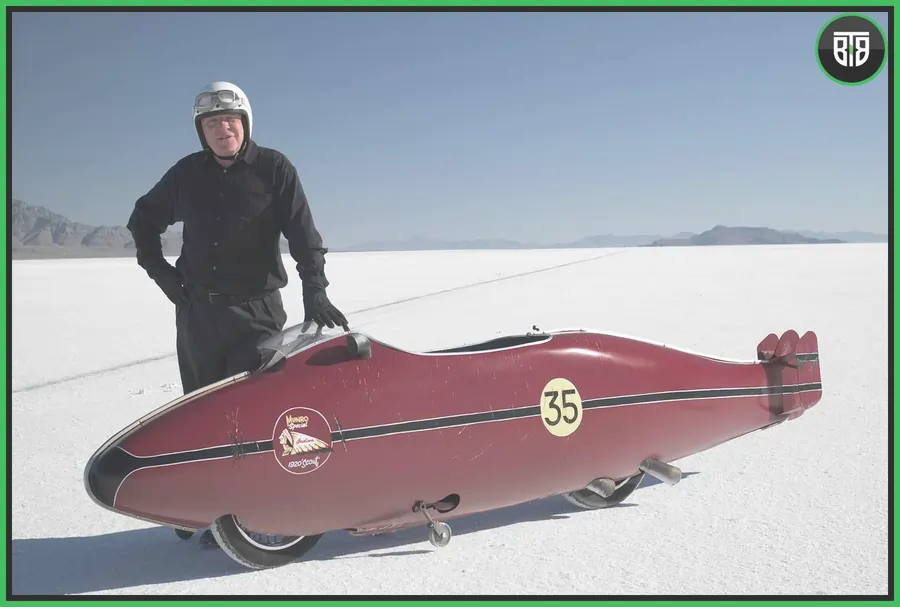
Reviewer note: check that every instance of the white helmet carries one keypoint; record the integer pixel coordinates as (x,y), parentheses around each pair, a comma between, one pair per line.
(219,98)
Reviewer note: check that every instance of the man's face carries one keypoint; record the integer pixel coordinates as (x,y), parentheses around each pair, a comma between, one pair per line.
(224,133)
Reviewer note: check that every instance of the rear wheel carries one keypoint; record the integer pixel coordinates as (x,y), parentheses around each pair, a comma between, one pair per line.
(259,550)
(589,500)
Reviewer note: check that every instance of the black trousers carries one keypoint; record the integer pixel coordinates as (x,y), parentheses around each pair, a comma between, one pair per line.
(219,338)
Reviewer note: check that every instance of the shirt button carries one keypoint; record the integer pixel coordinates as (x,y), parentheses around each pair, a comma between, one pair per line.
(216,243)
(214,267)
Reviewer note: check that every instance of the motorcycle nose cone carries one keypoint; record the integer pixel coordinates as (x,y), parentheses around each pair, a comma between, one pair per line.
(106,473)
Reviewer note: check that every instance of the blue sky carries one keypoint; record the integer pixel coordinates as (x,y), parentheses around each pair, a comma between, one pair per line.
(530,126)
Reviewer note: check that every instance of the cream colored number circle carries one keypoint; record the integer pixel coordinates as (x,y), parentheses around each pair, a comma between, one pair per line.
(561,407)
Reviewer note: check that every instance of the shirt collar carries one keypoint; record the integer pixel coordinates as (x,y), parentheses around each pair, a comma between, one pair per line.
(250,155)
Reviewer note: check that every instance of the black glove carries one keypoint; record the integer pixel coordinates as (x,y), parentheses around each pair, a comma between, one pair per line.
(169,280)
(319,309)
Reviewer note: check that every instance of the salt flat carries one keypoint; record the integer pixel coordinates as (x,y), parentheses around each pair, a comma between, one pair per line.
(799,509)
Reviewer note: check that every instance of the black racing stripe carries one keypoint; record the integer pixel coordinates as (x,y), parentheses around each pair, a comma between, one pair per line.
(108,472)
(676,395)
(533,410)
(235,450)
(433,424)
(808,357)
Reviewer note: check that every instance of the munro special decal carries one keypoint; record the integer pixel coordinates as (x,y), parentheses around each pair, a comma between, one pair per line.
(301,452)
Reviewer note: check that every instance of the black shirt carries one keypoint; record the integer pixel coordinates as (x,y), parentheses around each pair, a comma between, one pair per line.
(233,219)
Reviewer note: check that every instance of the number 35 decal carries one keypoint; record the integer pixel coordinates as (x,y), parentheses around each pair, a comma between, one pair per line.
(561,409)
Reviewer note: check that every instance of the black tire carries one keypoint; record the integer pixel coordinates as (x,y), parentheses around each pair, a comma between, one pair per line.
(237,544)
(587,499)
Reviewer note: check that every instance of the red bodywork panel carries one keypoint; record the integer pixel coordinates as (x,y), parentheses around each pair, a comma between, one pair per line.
(377,435)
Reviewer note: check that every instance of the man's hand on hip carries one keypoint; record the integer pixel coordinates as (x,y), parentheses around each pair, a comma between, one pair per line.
(169,281)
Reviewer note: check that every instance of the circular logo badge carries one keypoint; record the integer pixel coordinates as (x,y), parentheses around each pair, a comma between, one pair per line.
(851,49)
(301,440)
(561,409)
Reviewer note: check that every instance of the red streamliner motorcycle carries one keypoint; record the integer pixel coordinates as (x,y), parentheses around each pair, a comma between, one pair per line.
(339,431)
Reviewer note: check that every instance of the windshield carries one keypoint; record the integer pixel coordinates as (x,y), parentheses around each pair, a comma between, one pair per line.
(294,339)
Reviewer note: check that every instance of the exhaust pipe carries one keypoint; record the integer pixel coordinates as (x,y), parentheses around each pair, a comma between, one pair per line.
(662,471)
(604,487)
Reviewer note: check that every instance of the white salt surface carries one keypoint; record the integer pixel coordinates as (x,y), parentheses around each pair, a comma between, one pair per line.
(799,509)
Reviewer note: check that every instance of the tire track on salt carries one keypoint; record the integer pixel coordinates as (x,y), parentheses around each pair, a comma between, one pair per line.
(159,357)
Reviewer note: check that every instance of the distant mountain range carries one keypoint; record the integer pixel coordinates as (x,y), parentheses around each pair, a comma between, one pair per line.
(38,233)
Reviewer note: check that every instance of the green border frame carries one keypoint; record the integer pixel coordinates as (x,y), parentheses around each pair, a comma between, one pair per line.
(825,6)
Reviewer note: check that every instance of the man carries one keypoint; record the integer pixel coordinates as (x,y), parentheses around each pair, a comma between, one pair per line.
(235,199)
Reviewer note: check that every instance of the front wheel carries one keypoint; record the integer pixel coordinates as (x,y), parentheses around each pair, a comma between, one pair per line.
(589,500)
(259,551)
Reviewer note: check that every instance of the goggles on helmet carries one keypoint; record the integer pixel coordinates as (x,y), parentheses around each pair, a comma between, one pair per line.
(226,100)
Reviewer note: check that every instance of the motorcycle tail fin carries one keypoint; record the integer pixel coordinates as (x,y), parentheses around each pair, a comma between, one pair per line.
(795,360)
(809,374)
(766,348)
(781,350)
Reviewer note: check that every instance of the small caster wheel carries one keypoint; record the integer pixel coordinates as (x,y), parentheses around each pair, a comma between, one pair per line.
(439,534)
(184,535)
